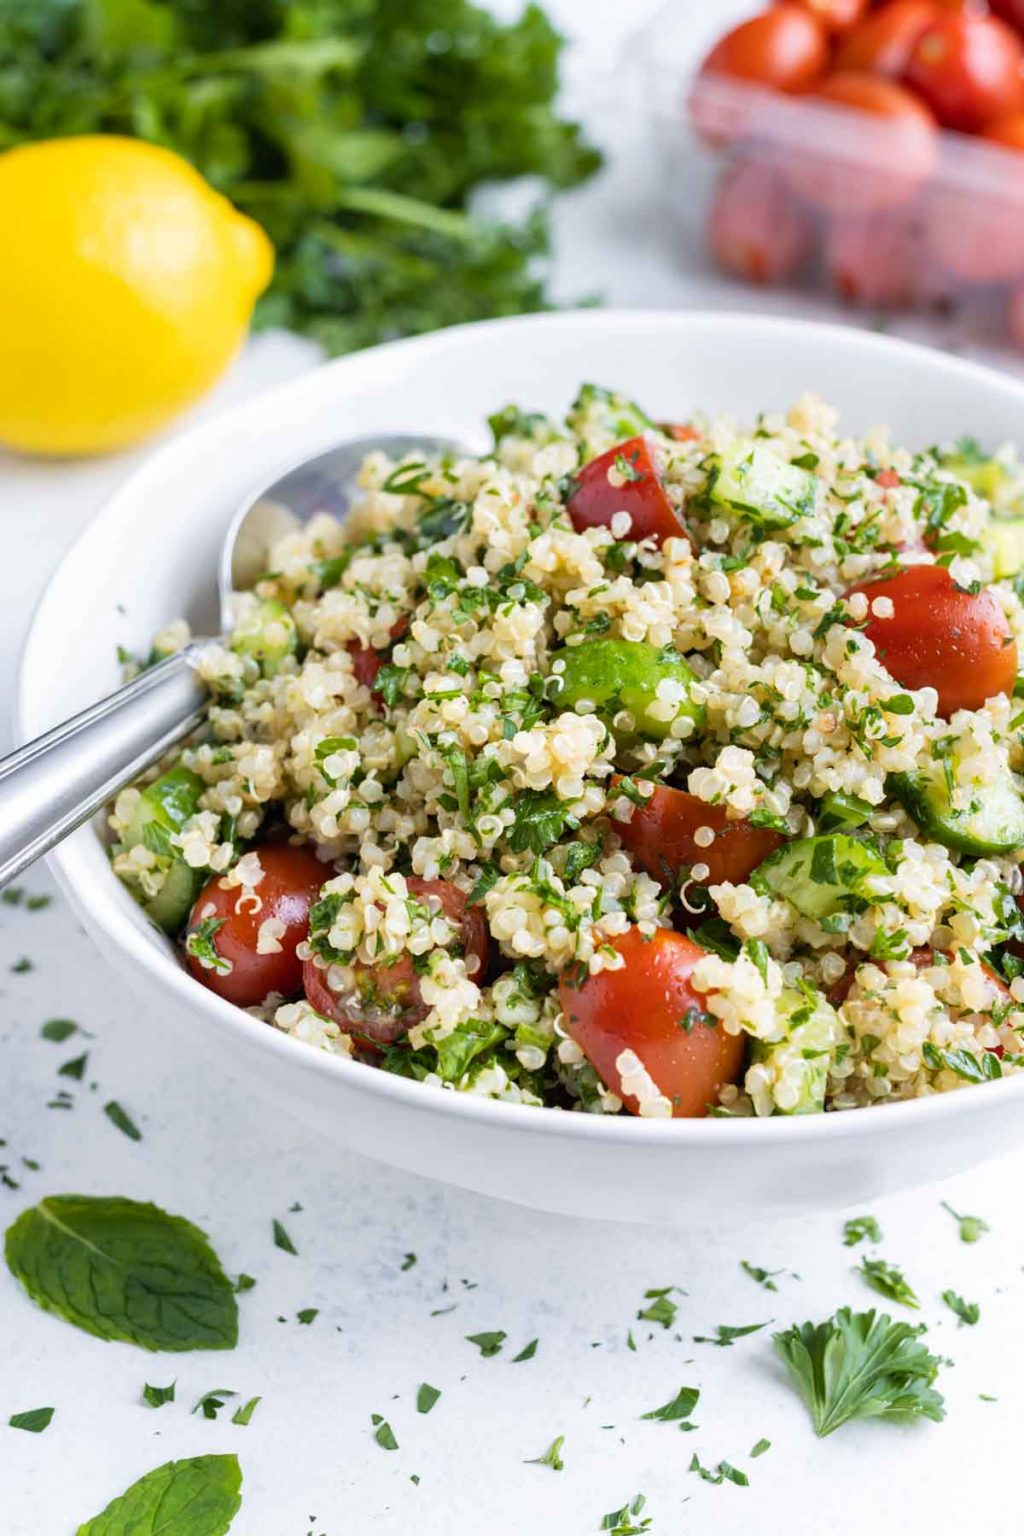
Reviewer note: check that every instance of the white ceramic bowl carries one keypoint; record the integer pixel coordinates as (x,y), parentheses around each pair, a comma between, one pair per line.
(153,550)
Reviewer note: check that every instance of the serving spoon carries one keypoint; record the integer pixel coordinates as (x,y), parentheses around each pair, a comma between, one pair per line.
(52,784)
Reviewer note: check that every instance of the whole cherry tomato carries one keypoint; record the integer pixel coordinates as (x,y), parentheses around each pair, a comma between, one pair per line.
(835,15)
(382,1002)
(247,948)
(942,636)
(875,260)
(756,229)
(1007,130)
(625,479)
(660,835)
(785,49)
(969,70)
(650,1007)
(882,43)
(879,168)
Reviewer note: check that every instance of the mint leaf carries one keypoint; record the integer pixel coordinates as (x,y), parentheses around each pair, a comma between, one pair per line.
(197,1497)
(679,1407)
(120,1269)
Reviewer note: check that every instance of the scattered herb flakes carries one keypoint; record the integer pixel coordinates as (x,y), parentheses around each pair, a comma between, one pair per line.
(662,1308)
(859,1365)
(211,1403)
(552,1457)
(161,1284)
(723,1473)
(157,1396)
(20,967)
(630,1341)
(760,1448)
(426,1397)
(527,1352)
(58,1030)
(971,1227)
(282,1240)
(244,1283)
(408,1261)
(967,1311)
(243,1414)
(725,1334)
(383,1433)
(39,902)
(122,1119)
(34,1420)
(888,1281)
(986,1397)
(765,1277)
(307,1315)
(75,1068)
(202,1494)
(628,1521)
(860,1229)
(12,895)
(488,1343)
(677,1408)
(16,896)
(62,1099)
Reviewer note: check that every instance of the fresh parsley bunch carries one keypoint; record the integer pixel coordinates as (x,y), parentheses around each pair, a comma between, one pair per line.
(355,131)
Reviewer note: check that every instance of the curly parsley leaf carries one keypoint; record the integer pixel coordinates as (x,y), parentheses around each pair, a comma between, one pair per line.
(202,1494)
(859,1365)
(540,820)
(124,1270)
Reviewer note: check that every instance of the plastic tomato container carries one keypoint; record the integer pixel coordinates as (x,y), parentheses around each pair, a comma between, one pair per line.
(793,192)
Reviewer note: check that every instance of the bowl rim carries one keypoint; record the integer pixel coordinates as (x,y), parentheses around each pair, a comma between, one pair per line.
(100,911)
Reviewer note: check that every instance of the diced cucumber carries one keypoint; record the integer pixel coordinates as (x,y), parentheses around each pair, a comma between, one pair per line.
(601,417)
(164,807)
(820,876)
(841,812)
(983,820)
(1003,537)
(755,483)
(173,902)
(812,1031)
(268,634)
(988,477)
(615,675)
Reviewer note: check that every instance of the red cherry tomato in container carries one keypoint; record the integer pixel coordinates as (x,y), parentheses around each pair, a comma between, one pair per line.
(941,636)
(785,48)
(973,238)
(1008,131)
(849,169)
(756,229)
(257,943)
(382,1002)
(968,69)
(1010,10)
(625,479)
(835,15)
(882,43)
(875,260)
(651,1008)
(661,836)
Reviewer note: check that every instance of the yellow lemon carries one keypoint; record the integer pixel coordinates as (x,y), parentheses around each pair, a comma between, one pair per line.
(126,286)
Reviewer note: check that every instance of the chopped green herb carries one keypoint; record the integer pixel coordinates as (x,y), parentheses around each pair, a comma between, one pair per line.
(760,1448)
(859,1365)
(383,1433)
(75,1068)
(888,1281)
(282,1240)
(967,1311)
(58,1030)
(725,1334)
(426,1397)
(204,1491)
(723,1473)
(677,1408)
(763,1277)
(408,1261)
(628,1520)
(120,1117)
(307,1315)
(211,1403)
(243,1414)
(20,967)
(244,1283)
(971,1227)
(859,1228)
(488,1343)
(34,1420)
(662,1308)
(527,1352)
(157,1396)
(552,1457)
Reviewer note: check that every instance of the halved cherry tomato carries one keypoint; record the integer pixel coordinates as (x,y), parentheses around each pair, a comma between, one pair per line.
(941,636)
(969,70)
(291,882)
(897,152)
(756,230)
(785,48)
(660,836)
(650,1007)
(875,260)
(625,479)
(835,15)
(382,1002)
(366,662)
(882,43)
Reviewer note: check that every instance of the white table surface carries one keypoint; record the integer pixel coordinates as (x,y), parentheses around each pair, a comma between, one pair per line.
(311,1466)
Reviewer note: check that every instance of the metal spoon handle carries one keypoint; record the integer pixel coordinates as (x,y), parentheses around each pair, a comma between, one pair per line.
(51,785)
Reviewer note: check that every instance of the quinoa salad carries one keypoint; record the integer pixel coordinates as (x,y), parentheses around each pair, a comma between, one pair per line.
(633,767)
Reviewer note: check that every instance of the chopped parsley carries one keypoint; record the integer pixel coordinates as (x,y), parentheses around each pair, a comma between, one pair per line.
(860,1229)
(629,1520)
(725,1334)
(540,820)
(527,1352)
(859,1365)
(678,1409)
(243,1414)
(121,1118)
(75,1068)
(723,1473)
(552,1457)
(157,1396)
(662,1308)
(58,1030)
(760,1448)
(211,1403)
(888,1281)
(967,1311)
(971,1227)
(763,1277)
(34,1420)
(202,946)
(282,1240)
(426,1397)
(307,1315)
(408,1261)
(488,1343)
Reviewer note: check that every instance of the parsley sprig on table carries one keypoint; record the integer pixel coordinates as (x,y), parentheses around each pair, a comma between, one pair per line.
(355,131)
(859,1365)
